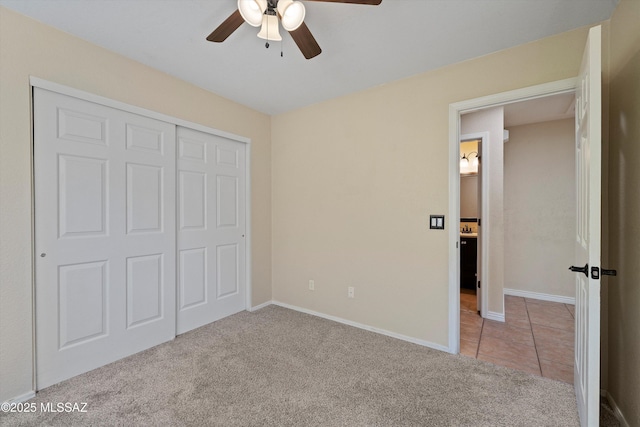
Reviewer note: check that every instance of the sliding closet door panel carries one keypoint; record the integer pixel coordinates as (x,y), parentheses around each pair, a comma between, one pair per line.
(105,234)
(211,234)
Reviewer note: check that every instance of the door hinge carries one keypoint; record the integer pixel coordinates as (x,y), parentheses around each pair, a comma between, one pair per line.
(479,222)
(479,285)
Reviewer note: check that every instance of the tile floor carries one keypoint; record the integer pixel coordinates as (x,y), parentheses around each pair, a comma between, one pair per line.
(536,337)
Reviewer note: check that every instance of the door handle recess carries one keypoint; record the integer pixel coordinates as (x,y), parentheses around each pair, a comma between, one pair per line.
(584,270)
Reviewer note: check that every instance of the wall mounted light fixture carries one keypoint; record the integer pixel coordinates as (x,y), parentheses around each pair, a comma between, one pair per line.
(465,160)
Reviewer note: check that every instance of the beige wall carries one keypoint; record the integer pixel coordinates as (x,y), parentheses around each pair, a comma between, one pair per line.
(468,196)
(539,208)
(624,211)
(355,179)
(28,48)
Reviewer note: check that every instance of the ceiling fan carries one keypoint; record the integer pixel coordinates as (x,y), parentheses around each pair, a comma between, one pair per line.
(267,13)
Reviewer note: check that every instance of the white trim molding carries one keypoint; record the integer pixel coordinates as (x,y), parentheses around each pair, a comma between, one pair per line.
(22,398)
(248,270)
(494,315)
(118,105)
(260,306)
(540,296)
(363,326)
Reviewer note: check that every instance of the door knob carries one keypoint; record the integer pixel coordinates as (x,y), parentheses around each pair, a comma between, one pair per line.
(584,270)
(595,271)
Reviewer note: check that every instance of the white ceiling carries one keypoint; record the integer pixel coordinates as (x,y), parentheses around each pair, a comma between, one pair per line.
(363,46)
(538,110)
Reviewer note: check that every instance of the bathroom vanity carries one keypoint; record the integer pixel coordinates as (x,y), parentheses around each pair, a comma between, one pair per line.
(468,260)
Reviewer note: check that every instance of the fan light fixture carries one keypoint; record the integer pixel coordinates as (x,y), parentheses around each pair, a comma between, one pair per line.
(292,14)
(252,11)
(264,14)
(270,30)
(268,14)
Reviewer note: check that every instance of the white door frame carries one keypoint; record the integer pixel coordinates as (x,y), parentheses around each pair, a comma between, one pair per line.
(455,109)
(76,93)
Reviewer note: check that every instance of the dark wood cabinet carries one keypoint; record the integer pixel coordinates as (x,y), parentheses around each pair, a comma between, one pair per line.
(468,262)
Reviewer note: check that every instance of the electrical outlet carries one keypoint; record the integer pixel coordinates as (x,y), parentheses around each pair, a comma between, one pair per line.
(312,285)
(351,292)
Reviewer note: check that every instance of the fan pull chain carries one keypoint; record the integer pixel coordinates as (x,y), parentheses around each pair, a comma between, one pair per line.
(266,45)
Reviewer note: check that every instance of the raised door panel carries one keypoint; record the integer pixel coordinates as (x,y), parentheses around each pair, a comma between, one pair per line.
(144,139)
(227,267)
(192,270)
(227,201)
(83,301)
(144,289)
(192,150)
(144,198)
(82,192)
(228,156)
(193,200)
(78,126)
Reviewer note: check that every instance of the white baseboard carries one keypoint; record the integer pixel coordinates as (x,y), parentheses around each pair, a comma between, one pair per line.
(22,398)
(259,306)
(540,296)
(616,410)
(365,327)
(498,317)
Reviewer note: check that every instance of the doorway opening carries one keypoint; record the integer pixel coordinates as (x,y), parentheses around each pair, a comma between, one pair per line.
(470,221)
(491,270)
(532,206)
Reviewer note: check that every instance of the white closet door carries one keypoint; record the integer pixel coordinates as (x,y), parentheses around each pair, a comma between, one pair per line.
(105,234)
(211,228)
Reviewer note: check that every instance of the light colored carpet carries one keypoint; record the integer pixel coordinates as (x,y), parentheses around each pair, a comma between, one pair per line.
(277,367)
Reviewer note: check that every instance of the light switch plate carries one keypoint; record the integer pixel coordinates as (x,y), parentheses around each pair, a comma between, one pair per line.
(436,222)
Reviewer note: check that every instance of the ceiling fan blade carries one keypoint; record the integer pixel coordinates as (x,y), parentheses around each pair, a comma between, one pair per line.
(305,41)
(371,2)
(225,29)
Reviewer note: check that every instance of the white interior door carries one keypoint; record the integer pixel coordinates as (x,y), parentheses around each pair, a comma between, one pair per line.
(105,234)
(211,228)
(588,169)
